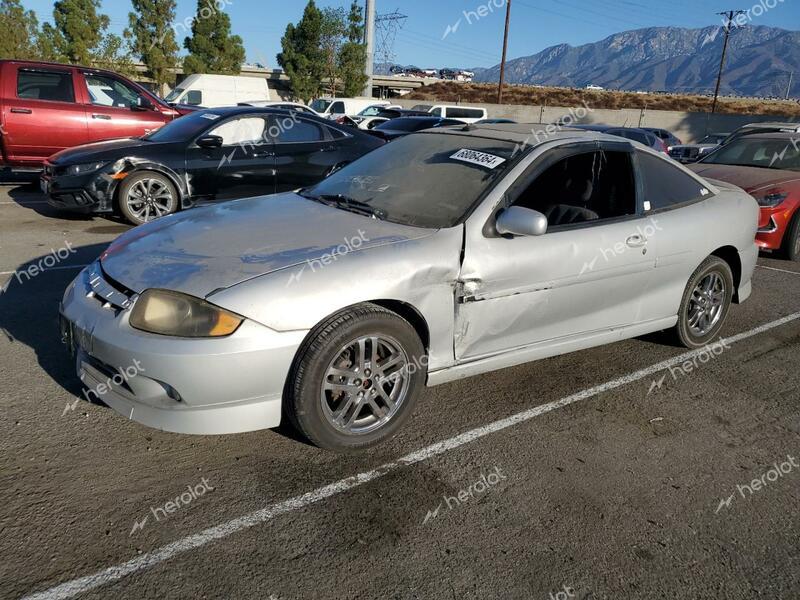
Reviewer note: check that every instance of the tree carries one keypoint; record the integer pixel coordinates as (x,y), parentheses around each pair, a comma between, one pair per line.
(20,31)
(212,48)
(332,31)
(302,56)
(79,29)
(353,54)
(153,38)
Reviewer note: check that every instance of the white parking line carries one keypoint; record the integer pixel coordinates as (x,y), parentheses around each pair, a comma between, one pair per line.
(781,270)
(55,268)
(192,542)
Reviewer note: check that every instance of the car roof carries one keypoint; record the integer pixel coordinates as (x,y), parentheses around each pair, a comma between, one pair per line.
(772,124)
(528,134)
(769,135)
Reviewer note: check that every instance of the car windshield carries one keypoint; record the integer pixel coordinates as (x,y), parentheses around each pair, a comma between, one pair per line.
(767,153)
(174,94)
(320,105)
(422,107)
(183,128)
(426,180)
(370,111)
(408,124)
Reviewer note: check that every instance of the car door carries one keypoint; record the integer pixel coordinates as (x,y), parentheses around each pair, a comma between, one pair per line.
(41,114)
(243,166)
(588,274)
(305,151)
(112,109)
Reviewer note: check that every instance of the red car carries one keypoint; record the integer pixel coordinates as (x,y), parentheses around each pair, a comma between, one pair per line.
(766,166)
(46,107)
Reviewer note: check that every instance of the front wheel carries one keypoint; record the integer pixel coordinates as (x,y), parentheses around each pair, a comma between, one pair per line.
(705,304)
(791,242)
(144,197)
(356,379)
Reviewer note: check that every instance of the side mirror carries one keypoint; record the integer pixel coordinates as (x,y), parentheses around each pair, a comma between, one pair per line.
(517,220)
(143,103)
(210,141)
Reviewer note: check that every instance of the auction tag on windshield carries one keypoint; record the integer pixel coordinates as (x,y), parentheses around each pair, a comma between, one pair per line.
(483,159)
(210,116)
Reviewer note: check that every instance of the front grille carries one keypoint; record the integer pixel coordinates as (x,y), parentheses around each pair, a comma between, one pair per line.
(100,288)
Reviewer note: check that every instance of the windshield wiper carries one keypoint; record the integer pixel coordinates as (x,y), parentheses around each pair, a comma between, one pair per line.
(346,203)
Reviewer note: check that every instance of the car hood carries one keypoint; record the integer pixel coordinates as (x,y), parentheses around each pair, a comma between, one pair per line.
(208,249)
(750,179)
(100,151)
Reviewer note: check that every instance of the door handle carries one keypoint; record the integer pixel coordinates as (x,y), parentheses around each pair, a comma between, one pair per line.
(636,241)
(263,154)
(104,117)
(22,111)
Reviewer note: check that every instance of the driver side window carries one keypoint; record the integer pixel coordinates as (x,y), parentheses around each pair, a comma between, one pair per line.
(107,91)
(583,188)
(241,131)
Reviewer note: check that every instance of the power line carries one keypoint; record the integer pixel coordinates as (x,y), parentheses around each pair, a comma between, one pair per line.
(386,27)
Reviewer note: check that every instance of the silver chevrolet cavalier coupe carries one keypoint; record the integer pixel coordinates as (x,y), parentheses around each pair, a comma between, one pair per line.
(443,255)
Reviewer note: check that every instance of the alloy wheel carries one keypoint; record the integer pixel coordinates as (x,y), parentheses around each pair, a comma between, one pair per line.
(706,304)
(150,199)
(365,384)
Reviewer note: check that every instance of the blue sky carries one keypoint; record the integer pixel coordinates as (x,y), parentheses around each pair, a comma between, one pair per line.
(535,24)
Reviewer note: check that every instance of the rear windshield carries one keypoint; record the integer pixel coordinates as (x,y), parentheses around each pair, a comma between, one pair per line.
(408,124)
(430,180)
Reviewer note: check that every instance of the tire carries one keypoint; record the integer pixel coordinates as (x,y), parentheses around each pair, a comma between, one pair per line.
(159,197)
(333,397)
(712,303)
(791,240)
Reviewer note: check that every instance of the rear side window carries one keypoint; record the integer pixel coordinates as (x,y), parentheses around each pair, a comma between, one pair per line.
(54,86)
(295,131)
(337,108)
(665,185)
(464,113)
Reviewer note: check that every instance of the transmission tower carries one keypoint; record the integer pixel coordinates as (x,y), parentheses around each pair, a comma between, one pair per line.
(387,26)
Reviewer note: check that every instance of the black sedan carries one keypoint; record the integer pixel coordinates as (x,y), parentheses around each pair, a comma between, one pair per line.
(210,155)
(399,127)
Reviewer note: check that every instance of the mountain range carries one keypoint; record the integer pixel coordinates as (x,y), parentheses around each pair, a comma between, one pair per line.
(671,59)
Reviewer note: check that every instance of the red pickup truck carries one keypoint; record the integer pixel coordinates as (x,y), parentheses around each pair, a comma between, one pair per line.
(46,107)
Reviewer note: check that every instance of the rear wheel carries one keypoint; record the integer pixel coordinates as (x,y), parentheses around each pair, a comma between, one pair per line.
(356,379)
(705,304)
(791,242)
(144,197)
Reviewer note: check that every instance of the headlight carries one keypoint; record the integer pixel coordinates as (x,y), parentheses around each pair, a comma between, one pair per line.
(172,313)
(85,168)
(771,199)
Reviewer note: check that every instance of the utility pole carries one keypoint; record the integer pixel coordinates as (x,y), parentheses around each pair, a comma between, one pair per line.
(728,24)
(505,49)
(369,40)
(789,87)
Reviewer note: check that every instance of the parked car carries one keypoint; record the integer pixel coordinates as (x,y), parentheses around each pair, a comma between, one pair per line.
(767,166)
(631,133)
(386,114)
(395,128)
(669,138)
(46,107)
(211,155)
(765,127)
(372,115)
(211,91)
(339,108)
(445,254)
(690,153)
(295,106)
(465,114)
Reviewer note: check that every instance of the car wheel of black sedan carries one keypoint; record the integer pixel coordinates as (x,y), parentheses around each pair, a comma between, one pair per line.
(356,379)
(705,303)
(146,196)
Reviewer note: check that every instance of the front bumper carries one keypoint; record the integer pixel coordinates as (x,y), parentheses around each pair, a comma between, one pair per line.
(197,386)
(91,193)
(773,224)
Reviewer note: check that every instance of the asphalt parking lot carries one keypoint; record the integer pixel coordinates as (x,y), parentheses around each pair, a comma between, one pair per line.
(629,471)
